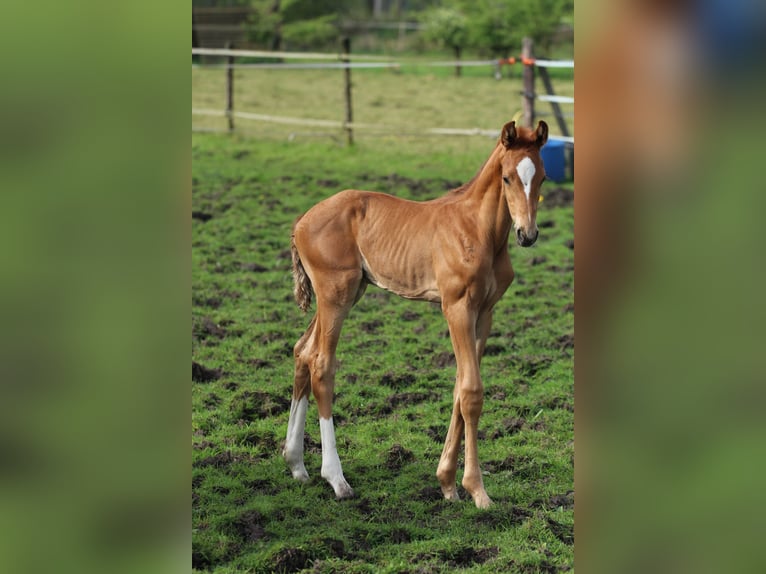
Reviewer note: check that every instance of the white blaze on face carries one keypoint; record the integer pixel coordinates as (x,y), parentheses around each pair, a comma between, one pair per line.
(526,170)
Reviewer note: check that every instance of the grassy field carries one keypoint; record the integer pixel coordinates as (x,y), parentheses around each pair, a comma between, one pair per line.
(394,383)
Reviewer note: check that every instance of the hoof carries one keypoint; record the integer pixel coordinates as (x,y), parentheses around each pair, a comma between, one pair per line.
(301,475)
(343,491)
(482,500)
(450,493)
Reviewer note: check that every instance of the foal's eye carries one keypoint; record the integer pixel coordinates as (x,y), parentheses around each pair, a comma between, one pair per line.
(506,180)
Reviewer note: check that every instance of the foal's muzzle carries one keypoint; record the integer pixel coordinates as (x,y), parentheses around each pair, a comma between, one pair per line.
(525,240)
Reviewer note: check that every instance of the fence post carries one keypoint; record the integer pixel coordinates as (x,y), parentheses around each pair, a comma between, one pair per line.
(554,105)
(347,85)
(230,88)
(528,76)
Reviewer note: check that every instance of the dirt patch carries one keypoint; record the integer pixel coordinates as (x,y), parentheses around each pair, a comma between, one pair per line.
(500,516)
(397,381)
(331,183)
(558,197)
(290,560)
(435,433)
(230,386)
(248,526)
(539,260)
(496,393)
(565,500)
(371,326)
(565,342)
(263,440)
(258,363)
(546,224)
(200,561)
(430,494)
(556,403)
(508,427)
(468,556)
(410,316)
(569,243)
(206,328)
(492,350)
(509,464)
(220,460)
(201,216)
(531,365)
(563,532)
(254,267)
(444,359)
(256,405)
(397,457)
(241,154)
(202,374)
(400,536)
(568,308)
(211,401)
(413,398)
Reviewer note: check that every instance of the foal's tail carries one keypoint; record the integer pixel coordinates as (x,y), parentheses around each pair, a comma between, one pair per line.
(302,283)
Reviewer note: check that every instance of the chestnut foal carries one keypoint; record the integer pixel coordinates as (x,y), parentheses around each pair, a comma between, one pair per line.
(452,250)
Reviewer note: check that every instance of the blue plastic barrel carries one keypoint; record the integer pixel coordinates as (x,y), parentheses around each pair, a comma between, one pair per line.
(554,159)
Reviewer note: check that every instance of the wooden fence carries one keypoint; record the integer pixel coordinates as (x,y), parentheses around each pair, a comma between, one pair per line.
(343,60)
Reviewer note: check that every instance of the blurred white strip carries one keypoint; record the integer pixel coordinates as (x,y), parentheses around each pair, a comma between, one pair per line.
(557,99)
(276,55)
(554,63)
(354,125)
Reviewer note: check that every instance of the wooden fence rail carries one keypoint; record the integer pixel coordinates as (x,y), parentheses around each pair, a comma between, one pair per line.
(528,94)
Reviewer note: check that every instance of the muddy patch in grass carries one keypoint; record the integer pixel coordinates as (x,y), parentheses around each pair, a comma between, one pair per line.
(202,374)
(222,460)
(397,457)
(397,381)
(444,359)
(201,216)
(558,197)
(499,516)
(468,556)
(248,526)
(563,532)
(508,426)
(371,326)
(256,405)
(565,501)
(290,560)
(566,341)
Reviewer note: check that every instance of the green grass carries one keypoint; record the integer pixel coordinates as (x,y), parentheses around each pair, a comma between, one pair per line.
(393,387)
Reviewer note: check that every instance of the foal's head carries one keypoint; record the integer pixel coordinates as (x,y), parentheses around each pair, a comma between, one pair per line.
(523,174)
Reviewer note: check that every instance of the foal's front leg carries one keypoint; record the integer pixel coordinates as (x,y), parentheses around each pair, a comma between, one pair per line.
(469,400)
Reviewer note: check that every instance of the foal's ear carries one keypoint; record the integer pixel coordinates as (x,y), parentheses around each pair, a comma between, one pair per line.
(542,133)
(508,135)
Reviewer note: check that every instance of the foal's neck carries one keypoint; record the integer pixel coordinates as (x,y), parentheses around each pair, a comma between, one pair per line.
(485,195)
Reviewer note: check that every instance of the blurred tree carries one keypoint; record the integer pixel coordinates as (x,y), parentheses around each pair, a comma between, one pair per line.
(447,27)
(496,27)
(304,23)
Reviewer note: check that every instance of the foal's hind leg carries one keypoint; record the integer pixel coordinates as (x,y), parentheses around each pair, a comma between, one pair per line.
(293,451)
(335,297)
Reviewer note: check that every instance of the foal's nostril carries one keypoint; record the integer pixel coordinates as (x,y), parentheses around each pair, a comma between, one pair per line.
(519,234)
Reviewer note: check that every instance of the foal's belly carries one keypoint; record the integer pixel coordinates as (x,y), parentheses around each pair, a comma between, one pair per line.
(410,282)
